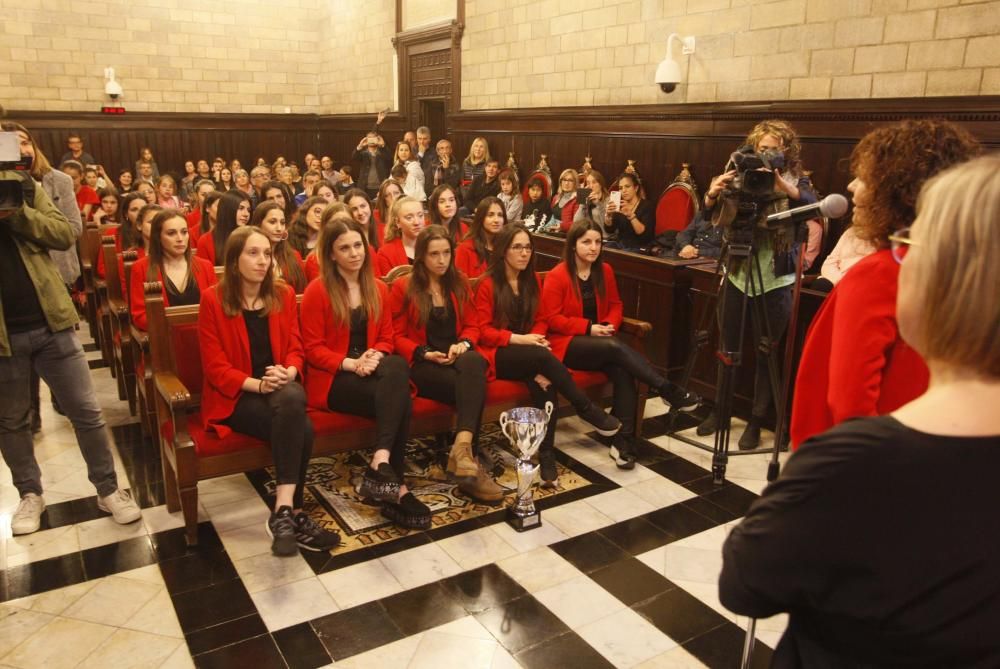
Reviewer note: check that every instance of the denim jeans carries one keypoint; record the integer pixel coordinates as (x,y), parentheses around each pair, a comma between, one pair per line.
(59,360)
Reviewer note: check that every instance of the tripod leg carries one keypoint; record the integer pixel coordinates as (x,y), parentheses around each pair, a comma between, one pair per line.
(765,334)
(748,642)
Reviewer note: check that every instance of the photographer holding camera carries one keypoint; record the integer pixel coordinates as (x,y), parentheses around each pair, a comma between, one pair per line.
(779,143)
(36,331)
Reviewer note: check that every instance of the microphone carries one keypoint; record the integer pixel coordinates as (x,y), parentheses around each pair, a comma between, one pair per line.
(832,206)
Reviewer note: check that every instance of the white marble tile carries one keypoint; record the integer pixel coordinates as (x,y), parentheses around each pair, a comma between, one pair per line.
(503,660)
(687,563)
(620,504)
(576,518)
(128,648)
(539,569)
(240,513)
(266,571)
(661,491)
(420,565)
(104,530)
(709,539)
(587,451)
(54,601)
(17,624)
(707,594)
(396,654)
(225,490)
(157,616)
(293,603)
(579,601)
(360,583)
(244,542)
(624,477)
(531,539)
(467,626)
(676,658)
(48,647)
(438,649)
(158,519)
(26,548)
(625,638)
(148,574)
(476,548)
(179,659)
(112,601)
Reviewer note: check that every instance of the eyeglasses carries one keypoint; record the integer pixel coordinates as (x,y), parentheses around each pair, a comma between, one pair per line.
(520,248)
(899,244)
(569,179)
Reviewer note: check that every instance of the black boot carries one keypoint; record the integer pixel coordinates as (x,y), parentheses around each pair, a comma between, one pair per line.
(547,462)
(750,439)
(707,426)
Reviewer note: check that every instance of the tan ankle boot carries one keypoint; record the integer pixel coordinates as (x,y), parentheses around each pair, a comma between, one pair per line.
(460,460)
(482,488)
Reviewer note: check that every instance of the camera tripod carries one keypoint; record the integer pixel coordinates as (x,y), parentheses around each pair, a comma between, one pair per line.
(741,246)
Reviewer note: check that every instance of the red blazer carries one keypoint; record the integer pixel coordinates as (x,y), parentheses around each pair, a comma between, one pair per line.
(391,254)
(206,248)
(490,337)
(204,274)
(467,260)
(225,353)
(101,268)
(302,266)
(326,341)
(562,309)
(409,335)
(194,225)
(311,266)
(854,363)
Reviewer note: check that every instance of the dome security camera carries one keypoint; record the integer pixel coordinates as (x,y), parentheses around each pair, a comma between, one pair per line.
(111,87)
(668,73)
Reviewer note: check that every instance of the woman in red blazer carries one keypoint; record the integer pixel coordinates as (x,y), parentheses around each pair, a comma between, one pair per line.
(128,235)
(435,326)
(581,305)
(443,208)
(360,209)
(288,264)
(473,255)
(406,220)
(251,354)
(183,276)
(347,332)
(233,212)
(512,338)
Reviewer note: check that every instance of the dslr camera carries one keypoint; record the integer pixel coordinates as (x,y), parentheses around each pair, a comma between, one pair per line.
(11,189)
(751,196)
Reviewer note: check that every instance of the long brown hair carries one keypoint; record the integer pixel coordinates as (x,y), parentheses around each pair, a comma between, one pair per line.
(477,233)
(283,254)
(576,231)
(381,203)
(155,251)
(40,166)
(131,233)
(231,283)
(418,293)
(455,224)
(298,229)
(506,304)
(336,287)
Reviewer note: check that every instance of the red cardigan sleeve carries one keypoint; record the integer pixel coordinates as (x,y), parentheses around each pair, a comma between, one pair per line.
(206,247)
(467,260)
(489,335)
(138,297)
(316,322)
(219,370)
(294,355)
(611,311)
(560,307)
(384,331)
(404,345)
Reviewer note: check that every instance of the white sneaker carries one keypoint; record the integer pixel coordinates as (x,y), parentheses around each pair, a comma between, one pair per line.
(121,506)
(28,516)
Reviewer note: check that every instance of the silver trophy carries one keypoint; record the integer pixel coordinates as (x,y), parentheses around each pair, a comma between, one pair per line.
(525,427)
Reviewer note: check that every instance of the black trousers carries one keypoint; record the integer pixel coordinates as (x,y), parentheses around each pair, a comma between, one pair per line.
(622,364)
(461,384)
(519,362)
(279,418)
(778,306)
(383,396)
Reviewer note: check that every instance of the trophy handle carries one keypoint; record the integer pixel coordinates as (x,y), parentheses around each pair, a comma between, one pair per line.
(503,425)
(548,411)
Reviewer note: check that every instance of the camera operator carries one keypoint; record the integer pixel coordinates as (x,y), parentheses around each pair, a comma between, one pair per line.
(778,260)
(36,331)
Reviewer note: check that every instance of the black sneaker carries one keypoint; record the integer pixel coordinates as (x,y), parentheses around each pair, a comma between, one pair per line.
(679,399)
(605,424)
(310,536)
(547,461)
(623,452)
(281,528)
(750,439)
(409,513)
(381,485)
(707,426)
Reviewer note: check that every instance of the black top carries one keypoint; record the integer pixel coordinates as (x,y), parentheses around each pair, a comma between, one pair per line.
(176,298)
(881,543)
(540,208)
(21,309)
(260,342)
(589,298)
(441,328)
(627,236)
(358,343)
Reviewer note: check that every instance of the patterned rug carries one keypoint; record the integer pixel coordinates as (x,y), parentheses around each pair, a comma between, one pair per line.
(333,501)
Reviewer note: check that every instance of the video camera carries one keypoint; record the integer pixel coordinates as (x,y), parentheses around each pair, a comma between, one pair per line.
(11,190)
(751,196)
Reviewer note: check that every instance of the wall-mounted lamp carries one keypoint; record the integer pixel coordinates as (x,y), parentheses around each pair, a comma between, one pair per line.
(668,73)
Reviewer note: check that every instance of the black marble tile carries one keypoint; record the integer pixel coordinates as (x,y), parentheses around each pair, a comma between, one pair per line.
(679,470)
(521,622)
(118,557)
(565,650)
(260,652)
(588,552)
(678,521)
(225,634)
(300,647)
(454,529)
(732,497)
(631,581)
(680,615)
(421,608)
(148,495)
(356,630)
(482,588)
(702,486)
(197,570)
(171,544)
(214,605)
(635,535)
(582,492)
(411,540)
(723,647)
(71,512)
(41,576)
(648,453)
(709,510)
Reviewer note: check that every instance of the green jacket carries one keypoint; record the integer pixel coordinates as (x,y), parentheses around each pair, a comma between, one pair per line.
(37,229)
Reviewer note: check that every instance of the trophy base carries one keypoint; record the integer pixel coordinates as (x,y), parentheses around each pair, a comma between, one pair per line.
(524,523)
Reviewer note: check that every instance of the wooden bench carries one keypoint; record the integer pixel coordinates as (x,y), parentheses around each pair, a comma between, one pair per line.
(190,453)
(118,330)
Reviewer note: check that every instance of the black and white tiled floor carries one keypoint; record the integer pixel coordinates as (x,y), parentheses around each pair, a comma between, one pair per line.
(624,577)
